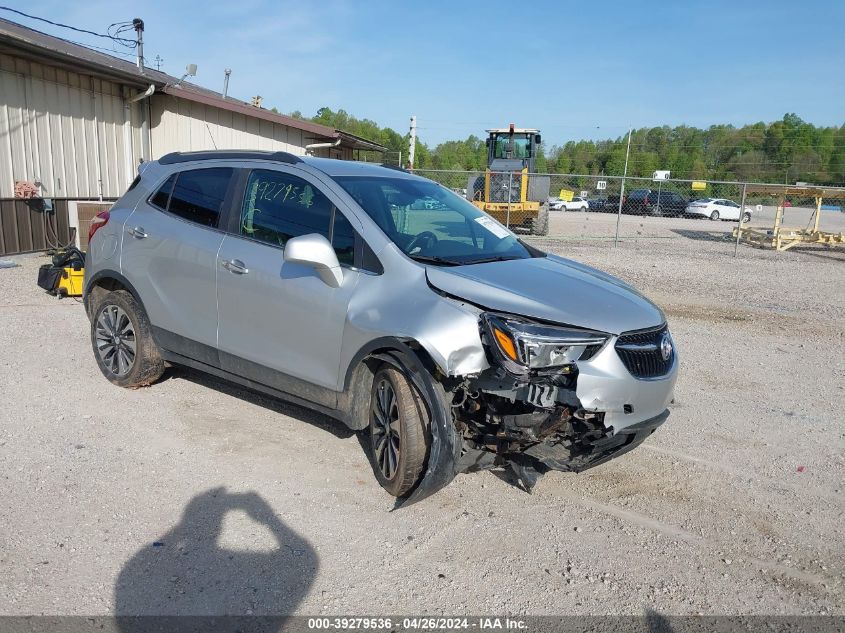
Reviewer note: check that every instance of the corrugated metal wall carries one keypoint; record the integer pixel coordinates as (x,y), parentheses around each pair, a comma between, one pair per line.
(179,125)
(71,133)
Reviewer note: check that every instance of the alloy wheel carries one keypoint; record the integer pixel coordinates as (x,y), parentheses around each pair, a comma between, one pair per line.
(384,422)
(115,340)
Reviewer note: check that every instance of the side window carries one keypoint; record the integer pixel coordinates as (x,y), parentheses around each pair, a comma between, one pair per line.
(199,194)
(162,196)
(278,206)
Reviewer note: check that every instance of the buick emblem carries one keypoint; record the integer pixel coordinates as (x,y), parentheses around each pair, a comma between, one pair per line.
(666,346)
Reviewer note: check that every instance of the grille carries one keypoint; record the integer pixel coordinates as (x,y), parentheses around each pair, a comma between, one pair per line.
(499,182)
(640,352)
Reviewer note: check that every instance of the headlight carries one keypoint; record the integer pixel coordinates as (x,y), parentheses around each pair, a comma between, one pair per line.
(522,345)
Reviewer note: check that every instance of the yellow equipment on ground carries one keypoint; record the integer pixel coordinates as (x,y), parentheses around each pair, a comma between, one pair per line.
(64,276)
(509,190)
(70,282)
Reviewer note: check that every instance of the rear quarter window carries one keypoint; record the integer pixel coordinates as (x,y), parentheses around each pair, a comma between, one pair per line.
(162,197)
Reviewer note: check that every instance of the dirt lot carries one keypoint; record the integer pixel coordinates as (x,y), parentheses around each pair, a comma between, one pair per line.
(194,496)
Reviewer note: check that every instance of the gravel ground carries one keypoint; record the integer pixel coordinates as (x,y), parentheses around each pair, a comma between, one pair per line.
(194,496)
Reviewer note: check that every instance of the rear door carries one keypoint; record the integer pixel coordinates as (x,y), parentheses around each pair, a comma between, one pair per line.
(279,323)
(676,203)
(169,255)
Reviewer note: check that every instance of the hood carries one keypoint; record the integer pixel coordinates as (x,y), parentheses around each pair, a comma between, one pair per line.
(551,289)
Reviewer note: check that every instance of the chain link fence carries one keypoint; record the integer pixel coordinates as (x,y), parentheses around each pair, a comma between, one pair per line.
(588,207)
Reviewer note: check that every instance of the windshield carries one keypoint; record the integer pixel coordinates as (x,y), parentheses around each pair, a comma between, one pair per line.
(521,146)
(429,223)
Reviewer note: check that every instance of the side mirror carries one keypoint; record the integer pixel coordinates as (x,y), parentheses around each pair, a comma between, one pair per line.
(537,139)
(314,251)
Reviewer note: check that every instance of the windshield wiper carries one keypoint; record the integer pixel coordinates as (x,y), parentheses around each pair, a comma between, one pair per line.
(432,259)
(487,260)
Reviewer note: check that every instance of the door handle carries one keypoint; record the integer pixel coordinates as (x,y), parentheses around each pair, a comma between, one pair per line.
(137,231)
(235,266)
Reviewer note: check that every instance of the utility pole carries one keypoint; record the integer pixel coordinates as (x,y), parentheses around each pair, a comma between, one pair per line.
(226,74)
(412,143)
(158,61)
(138,23)
(622,192)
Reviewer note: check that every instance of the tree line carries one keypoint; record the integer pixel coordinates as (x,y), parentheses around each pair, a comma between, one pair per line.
(783,151)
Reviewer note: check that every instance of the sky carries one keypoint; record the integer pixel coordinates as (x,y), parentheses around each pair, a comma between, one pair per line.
(572,69)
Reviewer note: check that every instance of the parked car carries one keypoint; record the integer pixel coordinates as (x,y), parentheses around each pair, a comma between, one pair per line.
(576,204)
(611,203)
(654,202)
(717,209)
(597,204)
(449,342)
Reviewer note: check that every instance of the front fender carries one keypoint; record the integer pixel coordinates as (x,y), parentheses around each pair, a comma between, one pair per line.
(401,304)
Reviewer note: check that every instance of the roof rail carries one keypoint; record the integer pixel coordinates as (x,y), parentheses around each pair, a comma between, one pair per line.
(236,154)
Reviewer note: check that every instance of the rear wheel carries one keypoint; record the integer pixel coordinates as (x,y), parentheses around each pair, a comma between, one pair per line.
(540,224)
(478,189)
(399,432)
(714,216)
(122,341)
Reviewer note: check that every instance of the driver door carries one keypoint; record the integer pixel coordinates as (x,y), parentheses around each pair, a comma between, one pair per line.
(280,324)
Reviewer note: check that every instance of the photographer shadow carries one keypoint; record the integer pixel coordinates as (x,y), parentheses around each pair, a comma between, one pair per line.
(186,572)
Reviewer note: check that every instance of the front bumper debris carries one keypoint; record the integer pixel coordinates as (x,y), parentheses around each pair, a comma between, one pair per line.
(536,424)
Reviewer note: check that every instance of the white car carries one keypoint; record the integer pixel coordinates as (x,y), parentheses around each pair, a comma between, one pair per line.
(717,209)
(576,204)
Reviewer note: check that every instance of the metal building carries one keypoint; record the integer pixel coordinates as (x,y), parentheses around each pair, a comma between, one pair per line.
(76,123)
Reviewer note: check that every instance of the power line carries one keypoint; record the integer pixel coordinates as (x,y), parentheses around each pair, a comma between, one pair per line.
(122,40)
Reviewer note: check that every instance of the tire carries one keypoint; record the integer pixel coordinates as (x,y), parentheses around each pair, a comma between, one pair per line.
(585,209)
(478,189)
(540,224)
(400,434)
(746,217)
(135,361)
(714,216)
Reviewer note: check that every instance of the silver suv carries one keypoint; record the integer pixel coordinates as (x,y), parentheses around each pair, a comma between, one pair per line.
(383,300)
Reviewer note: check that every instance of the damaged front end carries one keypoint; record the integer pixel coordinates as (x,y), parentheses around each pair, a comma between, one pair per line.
(523,411)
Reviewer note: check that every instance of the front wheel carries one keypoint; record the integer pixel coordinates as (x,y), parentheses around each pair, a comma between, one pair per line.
(714,216)
(540,224)
(400,435)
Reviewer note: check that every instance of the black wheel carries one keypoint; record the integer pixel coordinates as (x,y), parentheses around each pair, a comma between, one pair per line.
(540,224)
(122,341)
(399,432)
(714,216)
(746,217)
